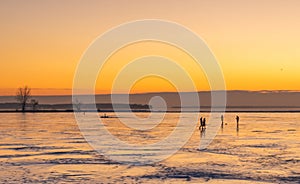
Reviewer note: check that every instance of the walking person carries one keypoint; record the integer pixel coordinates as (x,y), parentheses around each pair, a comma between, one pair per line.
(222,120)
(204,123)
(201,123)
(237,121)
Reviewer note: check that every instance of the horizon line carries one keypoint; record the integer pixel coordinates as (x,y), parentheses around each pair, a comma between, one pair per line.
(161,92)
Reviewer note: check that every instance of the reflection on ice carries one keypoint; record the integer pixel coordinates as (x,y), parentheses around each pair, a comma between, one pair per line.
(49,148)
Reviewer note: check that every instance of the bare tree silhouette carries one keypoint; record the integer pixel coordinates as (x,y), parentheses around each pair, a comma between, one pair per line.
(34,104)
(23,95)
(77,105)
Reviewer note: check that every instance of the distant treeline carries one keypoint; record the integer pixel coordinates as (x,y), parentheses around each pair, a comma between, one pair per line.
(105,106)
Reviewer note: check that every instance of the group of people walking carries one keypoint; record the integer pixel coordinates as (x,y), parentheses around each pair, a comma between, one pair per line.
(203,122)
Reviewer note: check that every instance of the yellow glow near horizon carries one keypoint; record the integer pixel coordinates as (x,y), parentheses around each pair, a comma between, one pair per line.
(256,42)
(130,53)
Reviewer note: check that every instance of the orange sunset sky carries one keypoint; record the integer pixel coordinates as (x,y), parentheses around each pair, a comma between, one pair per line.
(257,43)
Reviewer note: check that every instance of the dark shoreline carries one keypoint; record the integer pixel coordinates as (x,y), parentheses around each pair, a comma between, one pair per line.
(147,111)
